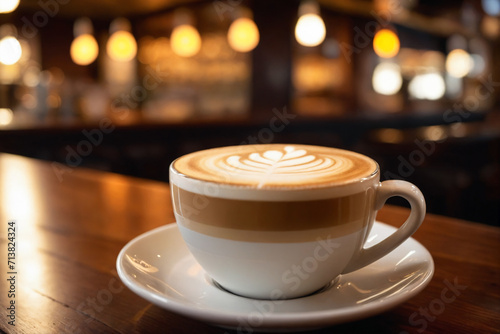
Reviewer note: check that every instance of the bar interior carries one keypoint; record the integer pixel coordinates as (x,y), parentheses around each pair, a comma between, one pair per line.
(98,97)
(413,84)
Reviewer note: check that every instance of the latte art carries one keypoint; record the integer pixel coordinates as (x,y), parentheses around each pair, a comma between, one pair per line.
(276,162)
(276,165)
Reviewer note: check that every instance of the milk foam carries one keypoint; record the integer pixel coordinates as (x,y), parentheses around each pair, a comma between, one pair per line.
(272,167)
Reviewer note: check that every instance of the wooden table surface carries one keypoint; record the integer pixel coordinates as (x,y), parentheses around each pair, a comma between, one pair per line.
(71,224)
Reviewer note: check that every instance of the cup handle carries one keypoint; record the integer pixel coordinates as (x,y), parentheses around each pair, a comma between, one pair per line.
(386,190)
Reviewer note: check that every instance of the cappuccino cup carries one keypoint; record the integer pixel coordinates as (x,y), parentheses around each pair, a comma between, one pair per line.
(281,221)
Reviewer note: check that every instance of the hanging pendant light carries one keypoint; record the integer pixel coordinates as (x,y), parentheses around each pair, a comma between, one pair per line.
(84,48)
(310,29)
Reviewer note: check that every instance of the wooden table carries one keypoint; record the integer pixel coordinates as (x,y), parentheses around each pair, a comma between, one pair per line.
(72,222)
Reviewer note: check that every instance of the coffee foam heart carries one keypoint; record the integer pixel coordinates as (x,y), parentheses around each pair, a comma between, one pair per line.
(272,167)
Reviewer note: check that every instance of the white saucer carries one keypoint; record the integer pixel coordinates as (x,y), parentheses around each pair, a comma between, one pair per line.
(158,267)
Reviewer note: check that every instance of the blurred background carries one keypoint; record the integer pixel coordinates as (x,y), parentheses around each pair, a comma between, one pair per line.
(128,86)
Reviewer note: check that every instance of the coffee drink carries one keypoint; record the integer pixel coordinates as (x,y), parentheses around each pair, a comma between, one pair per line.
(288,168)
(250,214)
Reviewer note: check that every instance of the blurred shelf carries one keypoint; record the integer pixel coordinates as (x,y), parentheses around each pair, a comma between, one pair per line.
(135,120)
(396,13)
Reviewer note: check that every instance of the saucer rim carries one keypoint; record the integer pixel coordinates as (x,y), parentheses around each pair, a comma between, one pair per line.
(296,320)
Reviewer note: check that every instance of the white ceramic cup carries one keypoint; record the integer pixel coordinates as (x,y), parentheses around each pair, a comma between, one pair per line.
(282,221)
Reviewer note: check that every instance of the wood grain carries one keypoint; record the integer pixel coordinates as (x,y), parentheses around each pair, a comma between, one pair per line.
(71,229)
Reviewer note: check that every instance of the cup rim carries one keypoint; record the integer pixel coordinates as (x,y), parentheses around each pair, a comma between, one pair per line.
(282,193)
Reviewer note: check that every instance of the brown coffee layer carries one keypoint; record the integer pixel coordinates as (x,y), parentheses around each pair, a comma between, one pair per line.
(274,236)
(226,217)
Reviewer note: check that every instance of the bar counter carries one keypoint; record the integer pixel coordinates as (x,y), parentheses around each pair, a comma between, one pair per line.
(62,228)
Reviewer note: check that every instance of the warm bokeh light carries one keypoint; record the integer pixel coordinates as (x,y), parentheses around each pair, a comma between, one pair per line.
(387,79)
(389,135)
(6,116)
(8,6)
(185,40)
(31,76)
(490,26)
(121,46)
(434,132)
(10,50)
(243,35)
(386,43)
(458,130)
(310,30)
(84,49)
(459,63)
(312,73)
(428,86)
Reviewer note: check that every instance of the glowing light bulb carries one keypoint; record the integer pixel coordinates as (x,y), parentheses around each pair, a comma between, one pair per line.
(10,50)
(6,116)
(459,63)
(310,30)
(428,86)
(121,46)
(387,79)
(84,49)
(243,35)
(386,43)
(185,40)
(8,6)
